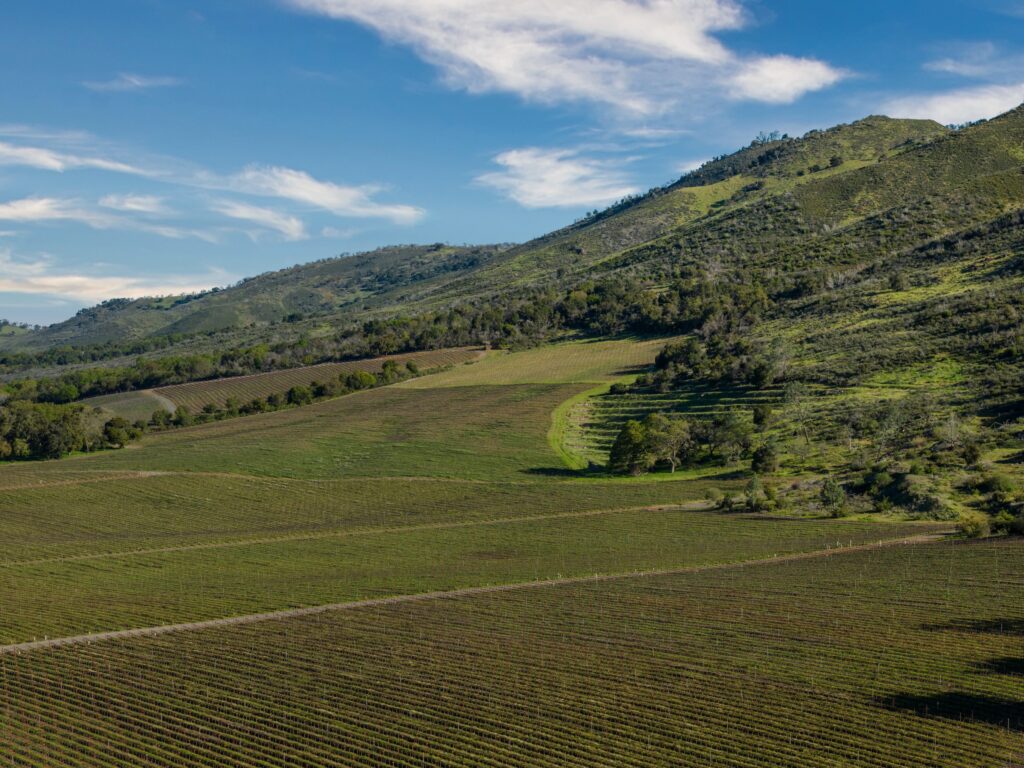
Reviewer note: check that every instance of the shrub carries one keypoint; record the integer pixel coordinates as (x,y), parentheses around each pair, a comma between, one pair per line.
(974,525)
(833,497)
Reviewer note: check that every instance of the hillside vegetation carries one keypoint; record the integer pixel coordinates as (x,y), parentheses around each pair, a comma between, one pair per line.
(728,474)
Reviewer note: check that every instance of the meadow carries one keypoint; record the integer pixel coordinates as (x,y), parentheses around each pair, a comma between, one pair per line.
(906,657)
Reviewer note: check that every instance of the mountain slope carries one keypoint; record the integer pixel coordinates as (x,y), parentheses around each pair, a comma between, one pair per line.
(399,279)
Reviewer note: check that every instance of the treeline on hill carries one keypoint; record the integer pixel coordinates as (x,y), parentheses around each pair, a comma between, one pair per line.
(32,431)
(608,307)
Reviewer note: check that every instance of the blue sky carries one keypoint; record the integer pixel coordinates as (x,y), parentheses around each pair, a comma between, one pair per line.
(161,146)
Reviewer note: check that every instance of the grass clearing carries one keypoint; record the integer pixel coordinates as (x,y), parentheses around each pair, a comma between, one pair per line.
(571,362)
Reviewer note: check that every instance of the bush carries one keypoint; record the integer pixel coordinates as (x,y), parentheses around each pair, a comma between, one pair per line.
(765,460)
(974,525)
(833,497)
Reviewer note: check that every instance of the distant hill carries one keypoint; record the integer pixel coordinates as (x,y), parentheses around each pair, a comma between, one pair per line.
(843,196)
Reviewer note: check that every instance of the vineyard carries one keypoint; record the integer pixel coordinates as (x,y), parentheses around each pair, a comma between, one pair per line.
(908,656)
(172,585)
(243,389)
(454,482)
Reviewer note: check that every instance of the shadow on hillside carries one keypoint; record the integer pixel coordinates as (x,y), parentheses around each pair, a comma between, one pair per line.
(1011,627)
(562,472)
(1017,458)
(960,706)
(1006,666)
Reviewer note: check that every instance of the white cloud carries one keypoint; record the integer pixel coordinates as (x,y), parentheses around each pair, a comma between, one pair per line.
(42,209)
(291,227)
(642,57)
(135,204)
(972,60)
(546,178)
(52,160)
(963,105)
(41,276)
(37,210)
(349,201)
(300,187)
(782,79)
(339,234)
(691,165)
(130,82)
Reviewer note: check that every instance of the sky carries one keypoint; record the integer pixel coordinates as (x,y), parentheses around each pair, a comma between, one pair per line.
(152,147)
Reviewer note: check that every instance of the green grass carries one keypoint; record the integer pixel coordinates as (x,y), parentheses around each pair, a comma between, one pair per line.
(573,362)
(902,658)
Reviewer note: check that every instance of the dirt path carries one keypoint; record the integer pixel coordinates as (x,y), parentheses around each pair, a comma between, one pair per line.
(256,618)
(696,506)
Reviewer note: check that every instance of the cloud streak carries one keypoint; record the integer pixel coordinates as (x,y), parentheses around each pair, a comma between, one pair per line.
(53,160)
(300,187)
(290,227)
(126,82)
(555,178)
(641,57)
(41,210)
(962,105)
(38,276)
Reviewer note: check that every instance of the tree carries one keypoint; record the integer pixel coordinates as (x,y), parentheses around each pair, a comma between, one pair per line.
(630,454)
(668,439)
(766,459)
(116,432)
(833,497)
(162,418)
(729,435)
(756,497)
(300,395)
(182,416)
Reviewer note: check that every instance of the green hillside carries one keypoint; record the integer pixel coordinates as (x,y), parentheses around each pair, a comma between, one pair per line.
(406,278)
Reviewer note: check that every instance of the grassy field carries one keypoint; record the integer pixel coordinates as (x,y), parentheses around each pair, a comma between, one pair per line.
(908,657)
(573,362)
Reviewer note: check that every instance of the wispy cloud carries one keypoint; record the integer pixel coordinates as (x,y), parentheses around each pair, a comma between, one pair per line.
(546,178)
(688,166)
(300,187)
(53,160)
(963,105)
(37,210)
(978,60)
(641,57)
(136,204)
(127,81)
(290,227)
(43,209)
(40,275)
(295,186)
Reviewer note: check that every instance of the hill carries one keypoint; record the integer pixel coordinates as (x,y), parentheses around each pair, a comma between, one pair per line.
(707,499)
(404,279)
